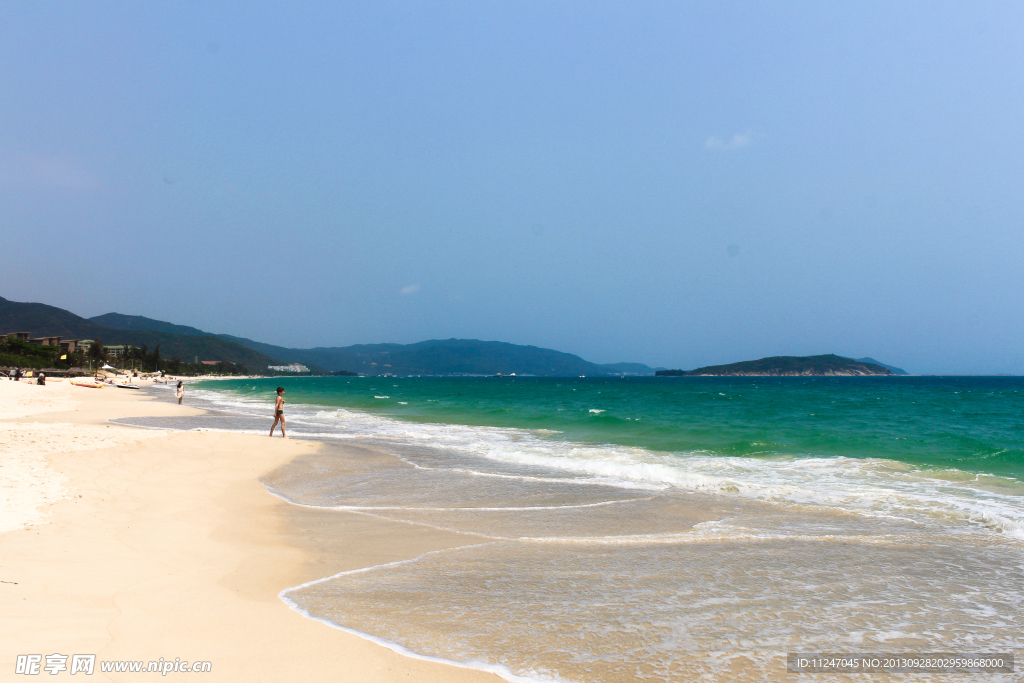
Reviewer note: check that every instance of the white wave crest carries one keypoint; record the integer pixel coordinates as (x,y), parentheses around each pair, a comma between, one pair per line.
(874,487)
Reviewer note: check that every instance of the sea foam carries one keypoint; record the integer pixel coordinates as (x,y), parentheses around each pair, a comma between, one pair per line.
(602,562)
(867,486)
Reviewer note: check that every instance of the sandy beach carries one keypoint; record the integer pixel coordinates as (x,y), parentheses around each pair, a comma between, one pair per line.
(136,544)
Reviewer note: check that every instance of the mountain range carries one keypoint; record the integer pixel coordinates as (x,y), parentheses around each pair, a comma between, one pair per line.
(435,357)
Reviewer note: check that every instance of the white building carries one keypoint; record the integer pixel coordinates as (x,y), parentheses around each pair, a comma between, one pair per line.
(294,367)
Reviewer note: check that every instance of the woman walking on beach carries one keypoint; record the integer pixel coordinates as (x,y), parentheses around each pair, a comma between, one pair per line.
(279,413)
(180,391)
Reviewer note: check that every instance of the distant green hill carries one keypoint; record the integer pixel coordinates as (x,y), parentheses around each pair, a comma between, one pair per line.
(138,322)
(629,368)
(43,320)
(448,357)
(826,365)
(895,370)
(435,357)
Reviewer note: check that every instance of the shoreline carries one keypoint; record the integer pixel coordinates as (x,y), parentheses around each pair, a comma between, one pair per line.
(165,544)
(484,667)
(170,537)
(471,605)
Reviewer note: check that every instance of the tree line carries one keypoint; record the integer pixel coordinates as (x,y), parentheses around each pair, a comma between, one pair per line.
(17,353)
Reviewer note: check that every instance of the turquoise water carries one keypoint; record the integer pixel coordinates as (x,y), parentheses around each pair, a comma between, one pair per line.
(661,529)
(973,424)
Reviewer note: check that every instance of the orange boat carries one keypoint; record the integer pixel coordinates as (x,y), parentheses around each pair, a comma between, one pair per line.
(91,385)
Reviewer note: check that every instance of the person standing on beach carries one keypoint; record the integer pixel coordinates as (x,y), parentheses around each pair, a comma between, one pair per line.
(279,413)
(180,391)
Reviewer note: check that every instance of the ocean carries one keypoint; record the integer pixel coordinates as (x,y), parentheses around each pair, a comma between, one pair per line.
(663,529)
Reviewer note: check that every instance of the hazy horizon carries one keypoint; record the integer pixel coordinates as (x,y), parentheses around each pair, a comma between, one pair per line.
(680,186)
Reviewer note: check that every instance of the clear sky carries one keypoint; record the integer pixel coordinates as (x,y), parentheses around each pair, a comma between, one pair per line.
(678,183)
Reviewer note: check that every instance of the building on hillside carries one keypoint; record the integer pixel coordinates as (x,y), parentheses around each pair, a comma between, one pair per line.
(210,362)
(84,345)
(45,341)
(20,336)
(292,367)
(116,351)
(68,345)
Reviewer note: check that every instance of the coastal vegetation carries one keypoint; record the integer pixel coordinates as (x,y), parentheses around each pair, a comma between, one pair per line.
(176,366)
(41,319)
(15,353)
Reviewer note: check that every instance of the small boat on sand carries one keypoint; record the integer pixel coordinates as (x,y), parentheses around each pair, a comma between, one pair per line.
(127,386)
(90,385)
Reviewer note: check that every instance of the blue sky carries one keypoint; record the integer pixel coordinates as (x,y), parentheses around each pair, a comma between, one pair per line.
(679,184)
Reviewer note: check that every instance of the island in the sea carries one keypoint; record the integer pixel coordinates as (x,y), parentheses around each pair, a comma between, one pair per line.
(785,366)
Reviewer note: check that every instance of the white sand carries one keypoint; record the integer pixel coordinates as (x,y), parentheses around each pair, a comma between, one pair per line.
(165,544)
(21,399)
(27,483)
